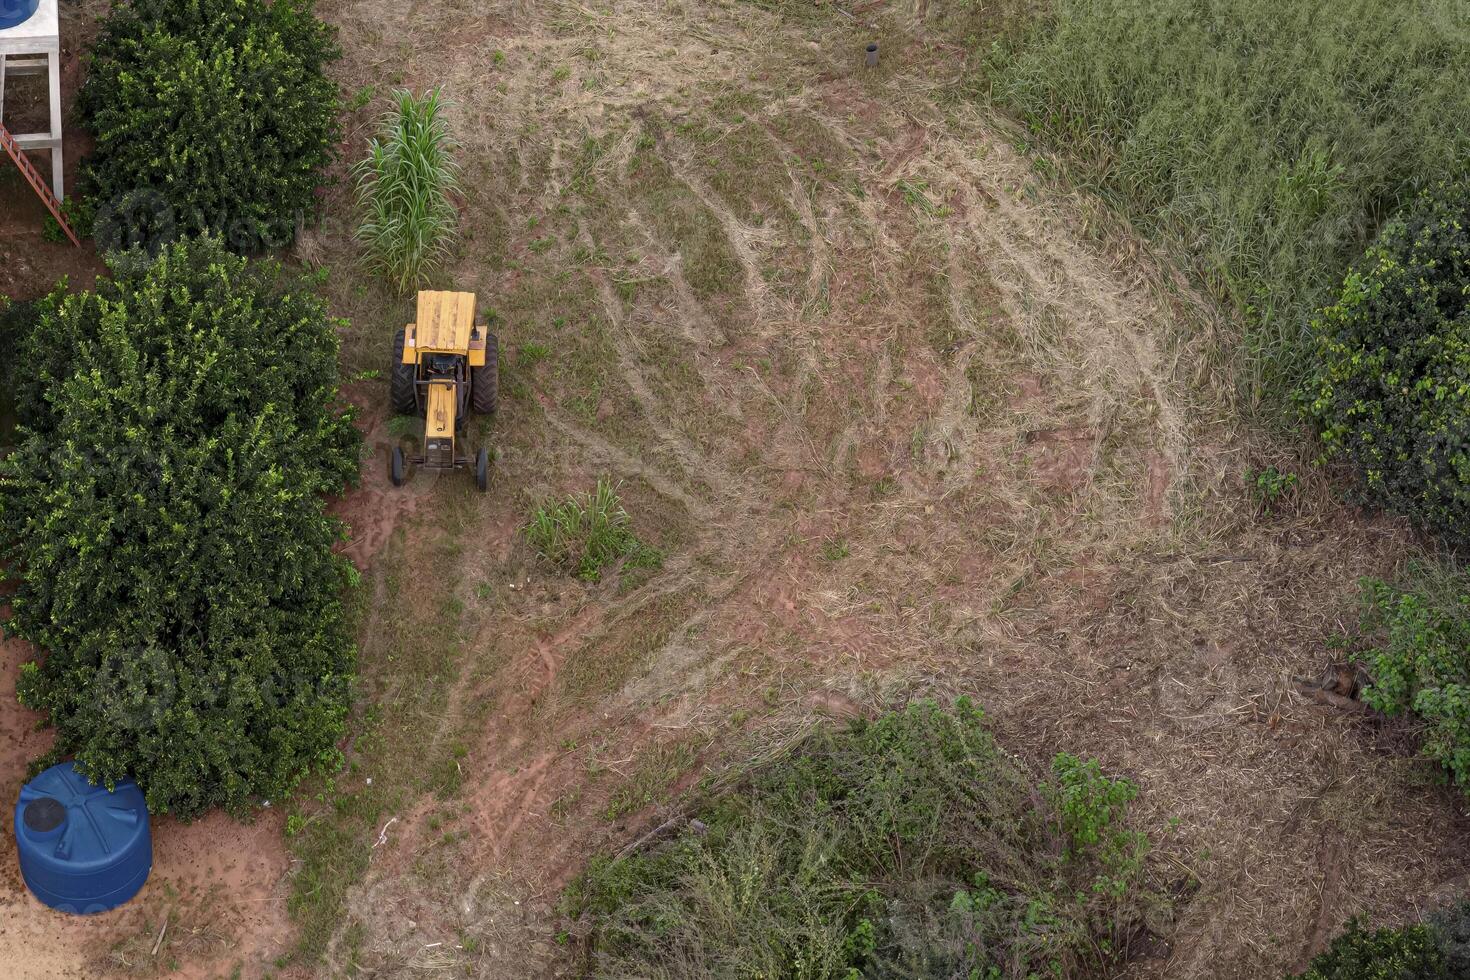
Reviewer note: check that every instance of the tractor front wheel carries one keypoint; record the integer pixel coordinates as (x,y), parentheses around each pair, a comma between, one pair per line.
(482,470)
(402,397)
(485,381)
(395,467)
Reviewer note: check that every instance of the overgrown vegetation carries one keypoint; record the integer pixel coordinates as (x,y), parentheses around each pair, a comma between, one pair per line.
(409,222)
(1269,141)
(1387,389)
(587,534)
(1438,949)
(208,115)
(1418,632)
(164,514)
(909,846)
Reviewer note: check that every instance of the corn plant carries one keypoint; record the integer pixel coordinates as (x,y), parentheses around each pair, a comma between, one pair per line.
(404,186)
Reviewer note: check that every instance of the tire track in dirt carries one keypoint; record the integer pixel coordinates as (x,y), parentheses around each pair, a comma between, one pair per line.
(953,423)
(698,467)
(696,326)
(743,238)
(1037,258)
(375,509)
(622,460)
(1041,272)
(819,257)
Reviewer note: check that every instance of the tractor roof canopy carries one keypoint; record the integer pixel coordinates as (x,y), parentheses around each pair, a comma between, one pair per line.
(444,321)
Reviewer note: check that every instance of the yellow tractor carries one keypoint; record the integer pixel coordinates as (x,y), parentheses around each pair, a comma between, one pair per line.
(444,369)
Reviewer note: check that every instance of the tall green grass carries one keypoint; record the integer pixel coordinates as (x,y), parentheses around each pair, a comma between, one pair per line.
(586,534)
(1267,139)
(404,188)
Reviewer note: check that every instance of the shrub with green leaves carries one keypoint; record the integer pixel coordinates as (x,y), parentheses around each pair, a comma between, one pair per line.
(908,846)
(1419,632)
(1436,949)
(1267,141)
(587,534)
(17,319)
(164,515)
(1384,954)
(208,115)
(404,188)
(1388,391)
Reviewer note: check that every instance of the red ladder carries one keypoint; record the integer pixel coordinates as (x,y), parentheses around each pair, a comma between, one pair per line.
(37,184)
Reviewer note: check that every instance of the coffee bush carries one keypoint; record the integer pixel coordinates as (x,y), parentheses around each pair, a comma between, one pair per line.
(1435,949)
(1417,632)
(164,515)
(1390,385)
(207,115)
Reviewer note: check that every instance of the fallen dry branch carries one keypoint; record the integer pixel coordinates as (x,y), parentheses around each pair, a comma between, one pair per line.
(1314,690)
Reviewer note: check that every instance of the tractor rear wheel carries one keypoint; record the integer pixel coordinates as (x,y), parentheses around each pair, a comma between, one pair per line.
(401,395)
(482,470)
(485,381)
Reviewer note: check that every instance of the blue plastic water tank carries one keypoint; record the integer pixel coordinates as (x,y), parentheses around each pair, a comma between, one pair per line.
(13,13)
(82,849)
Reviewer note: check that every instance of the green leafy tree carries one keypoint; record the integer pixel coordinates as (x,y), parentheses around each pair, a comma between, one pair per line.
(164,514)
(1390,388)
(208,115)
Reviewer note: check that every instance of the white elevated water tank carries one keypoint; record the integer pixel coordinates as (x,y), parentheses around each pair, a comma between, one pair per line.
(30,43)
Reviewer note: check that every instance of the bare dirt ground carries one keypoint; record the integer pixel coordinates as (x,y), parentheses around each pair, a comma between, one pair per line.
(905,415)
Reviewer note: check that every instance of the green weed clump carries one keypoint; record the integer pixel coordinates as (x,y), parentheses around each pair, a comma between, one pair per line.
(909,846)
(585,535)
(1419,631)
(1271,488)
(404,190)
(1268,141)
(1387,390)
